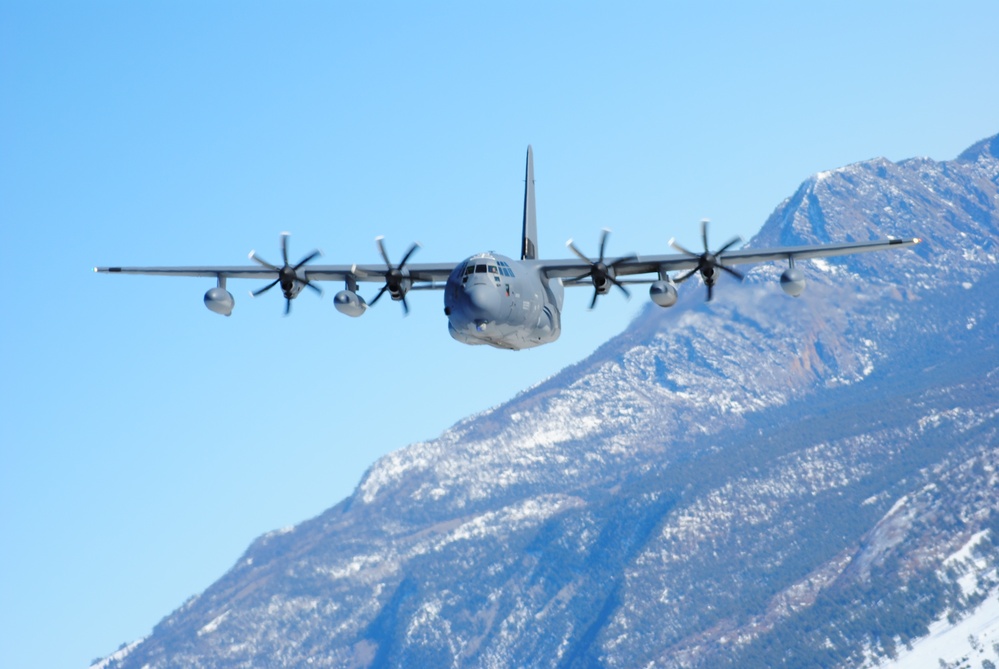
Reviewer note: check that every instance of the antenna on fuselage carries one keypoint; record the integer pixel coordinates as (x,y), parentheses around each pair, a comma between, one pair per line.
(529,247)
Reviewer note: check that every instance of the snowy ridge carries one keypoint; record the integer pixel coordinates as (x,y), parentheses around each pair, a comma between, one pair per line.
(968,640)
(757,481)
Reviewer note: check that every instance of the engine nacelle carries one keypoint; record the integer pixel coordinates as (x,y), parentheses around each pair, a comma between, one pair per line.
(220,301)
(792,281)
(663,293)
(349,303)
(601,284)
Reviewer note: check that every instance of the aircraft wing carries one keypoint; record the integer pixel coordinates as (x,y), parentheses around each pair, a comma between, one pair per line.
(425,272)
(660,264)
(437,273)
(246,272)
(418,272)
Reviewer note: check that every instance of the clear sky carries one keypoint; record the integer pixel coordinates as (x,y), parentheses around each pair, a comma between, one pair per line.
(146,441)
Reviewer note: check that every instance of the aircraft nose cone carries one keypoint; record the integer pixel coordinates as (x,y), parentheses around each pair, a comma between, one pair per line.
(483,301)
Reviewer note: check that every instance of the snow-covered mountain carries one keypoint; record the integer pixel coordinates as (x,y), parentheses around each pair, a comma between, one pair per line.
(755,482)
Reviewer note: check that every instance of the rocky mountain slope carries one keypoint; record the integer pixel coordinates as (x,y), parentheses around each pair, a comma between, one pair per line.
(755,482)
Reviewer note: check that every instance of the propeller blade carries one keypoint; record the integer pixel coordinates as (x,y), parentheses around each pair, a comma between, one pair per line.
(396,280)
(738,275)
(684,277)
(405,258)
(623,260)
(579,254)
(732,242)
(675,244)
(288,273)
(378,296)
(620,285)
(707,261)
(258,259)
(317,289)
(600,272)
(603,243)
(309,258)
(266,288)
(380,241)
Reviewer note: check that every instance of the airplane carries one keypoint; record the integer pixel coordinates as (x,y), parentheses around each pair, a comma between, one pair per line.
(495,300)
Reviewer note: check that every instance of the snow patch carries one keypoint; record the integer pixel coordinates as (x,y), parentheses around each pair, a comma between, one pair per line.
(213,625)
(967,643)
(965,552)
(117,656)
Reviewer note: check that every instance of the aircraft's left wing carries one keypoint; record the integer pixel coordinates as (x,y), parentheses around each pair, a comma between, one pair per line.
(660,264)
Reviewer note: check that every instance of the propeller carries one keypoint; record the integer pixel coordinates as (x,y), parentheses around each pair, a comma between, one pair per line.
(287,274)
(600,272)
(397,281)
(708,262)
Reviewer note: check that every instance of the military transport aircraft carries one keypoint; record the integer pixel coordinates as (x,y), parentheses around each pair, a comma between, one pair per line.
(513,304)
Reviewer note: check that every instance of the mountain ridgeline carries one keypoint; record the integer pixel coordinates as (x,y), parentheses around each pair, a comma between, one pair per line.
(758,481)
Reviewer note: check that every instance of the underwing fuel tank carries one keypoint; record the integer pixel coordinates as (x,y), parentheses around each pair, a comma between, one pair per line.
(792,281)
(349,303)
(220,301)
(663,293)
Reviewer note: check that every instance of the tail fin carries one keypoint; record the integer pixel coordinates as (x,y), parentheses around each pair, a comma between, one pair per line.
(529,249)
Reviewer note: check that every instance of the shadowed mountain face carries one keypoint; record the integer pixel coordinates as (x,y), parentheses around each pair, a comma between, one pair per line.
(758,481)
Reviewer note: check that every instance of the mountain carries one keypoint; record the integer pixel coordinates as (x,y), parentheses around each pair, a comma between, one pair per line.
(758,481)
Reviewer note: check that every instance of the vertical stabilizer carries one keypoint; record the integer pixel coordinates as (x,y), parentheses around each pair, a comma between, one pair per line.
(529,248)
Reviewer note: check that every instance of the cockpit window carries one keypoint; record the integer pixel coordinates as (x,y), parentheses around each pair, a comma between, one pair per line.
(480,269)
(504,269)
(469,269)
(493,269)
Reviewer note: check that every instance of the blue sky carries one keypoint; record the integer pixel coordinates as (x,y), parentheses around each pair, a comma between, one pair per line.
(146,441)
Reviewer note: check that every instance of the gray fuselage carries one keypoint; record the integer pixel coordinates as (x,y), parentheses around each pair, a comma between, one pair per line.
(495,300)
